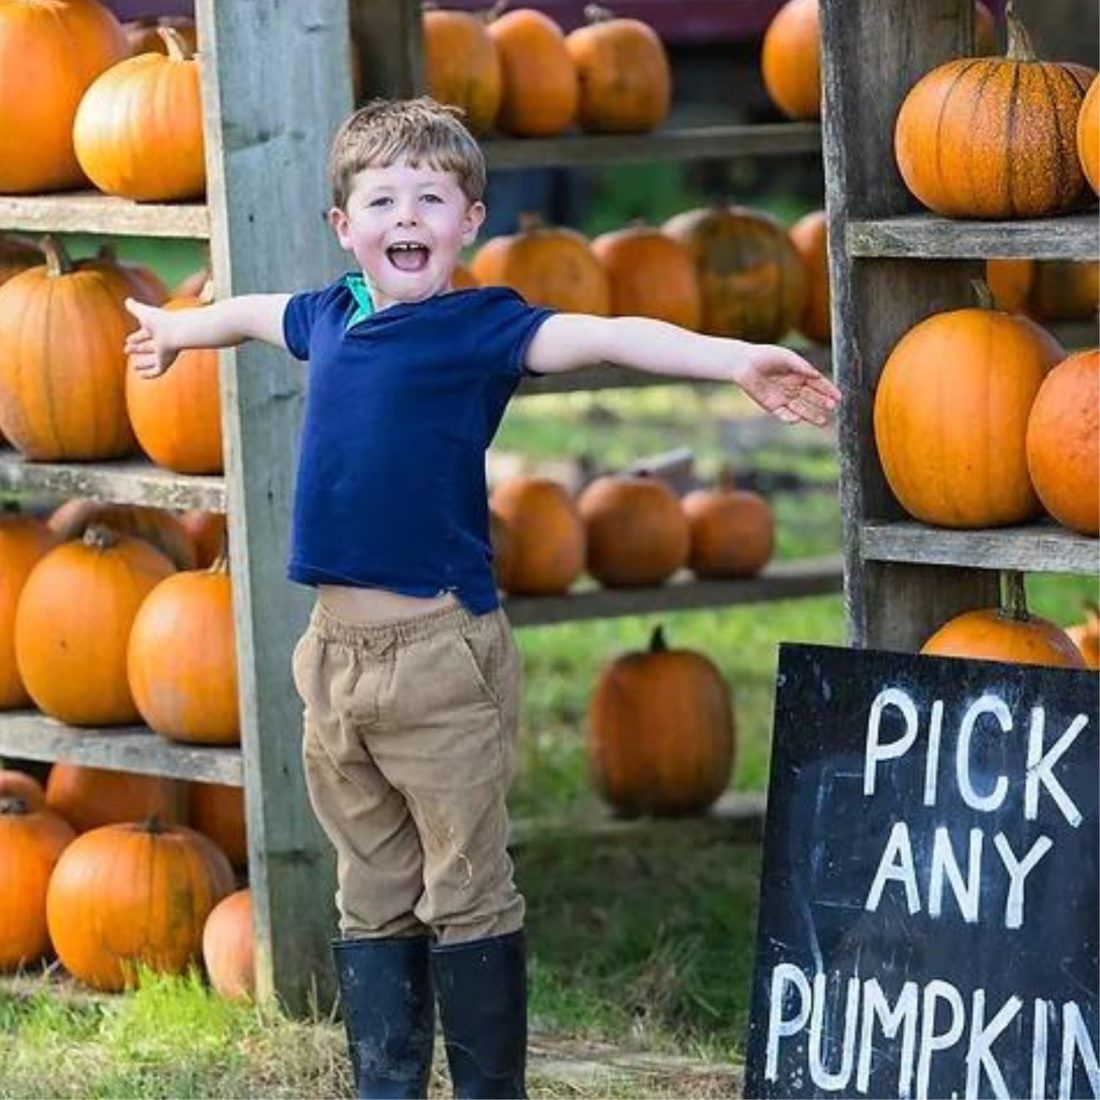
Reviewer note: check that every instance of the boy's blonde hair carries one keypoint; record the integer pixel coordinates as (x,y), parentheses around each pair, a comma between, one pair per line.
(421,131)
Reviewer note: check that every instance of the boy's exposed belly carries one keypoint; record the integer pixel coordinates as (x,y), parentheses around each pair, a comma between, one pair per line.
(373,605)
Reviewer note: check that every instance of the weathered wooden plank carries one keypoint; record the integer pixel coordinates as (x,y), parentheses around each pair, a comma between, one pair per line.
(390,43)
(1039,547)
(699,143)
(93,212)
(783,581)
(267,147)
(928,237)
(30,735)
(127,481)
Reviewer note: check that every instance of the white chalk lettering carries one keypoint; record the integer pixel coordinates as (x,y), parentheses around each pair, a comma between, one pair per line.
(1018,870)
(930,1039)
(1075,1037)
(903,1015)
(785,976)
(1039,1048)
(982,1037)
(874,751)
(987,704)
(944,865)
(819,1072)
(1039,766)
(932,763)
(896,865)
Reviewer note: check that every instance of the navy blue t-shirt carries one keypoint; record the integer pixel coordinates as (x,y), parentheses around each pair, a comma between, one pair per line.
(400,409)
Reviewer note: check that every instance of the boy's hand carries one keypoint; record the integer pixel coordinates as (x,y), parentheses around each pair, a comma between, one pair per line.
(149,346)
(782,382)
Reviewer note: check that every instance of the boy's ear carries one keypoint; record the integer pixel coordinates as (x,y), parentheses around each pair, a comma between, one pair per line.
(475,215)
(338,219)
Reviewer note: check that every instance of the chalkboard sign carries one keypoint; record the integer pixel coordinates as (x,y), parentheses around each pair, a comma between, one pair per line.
(928,905)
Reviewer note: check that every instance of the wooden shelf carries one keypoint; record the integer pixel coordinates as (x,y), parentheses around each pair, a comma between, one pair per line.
(1036,548)
(32,736)
(126,481)
(928,237)
(93,212)
(787,580)
(699,143)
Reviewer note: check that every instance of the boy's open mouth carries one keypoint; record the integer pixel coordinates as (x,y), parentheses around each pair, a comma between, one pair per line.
(407,256)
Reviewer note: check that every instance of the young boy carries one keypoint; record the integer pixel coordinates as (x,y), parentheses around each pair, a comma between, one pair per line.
(408,670)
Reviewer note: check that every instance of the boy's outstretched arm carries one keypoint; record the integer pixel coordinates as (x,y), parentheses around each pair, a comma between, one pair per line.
(776,378)
(163,333)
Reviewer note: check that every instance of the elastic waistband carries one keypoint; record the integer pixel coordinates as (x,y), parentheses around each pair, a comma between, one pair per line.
(383,635)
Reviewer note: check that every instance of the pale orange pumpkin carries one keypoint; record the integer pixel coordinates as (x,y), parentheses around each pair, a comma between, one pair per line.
(228,947)
(209,531)
(1010,282)
(90,797)
(72,626)
(461,66)
(157,526)
(732,530)
(182,659)
(132,895)
(541,89)
(635,530)
(809,235)
(790,59)
(547,266)
(31,843)
(650,275)
(61,332)
(50,52)
(1063,442)
(462,278)
(138,132)
(217,810)
(1088,135)
(625,78)
(24,540)
(661,731)
(15,784)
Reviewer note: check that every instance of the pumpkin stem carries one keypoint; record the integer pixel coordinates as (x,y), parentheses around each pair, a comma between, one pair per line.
(58,261)
(107,254)
(99,537)
(1016,600)
(983,294)
(727,482)
(496,11)
(13,805)
(657,643)
(220,565)
(206,295)
(1020,47)
(153,826)
(178,50)
(528,222)
(596,14)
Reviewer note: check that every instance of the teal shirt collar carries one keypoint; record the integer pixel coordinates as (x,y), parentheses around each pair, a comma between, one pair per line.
(360,291)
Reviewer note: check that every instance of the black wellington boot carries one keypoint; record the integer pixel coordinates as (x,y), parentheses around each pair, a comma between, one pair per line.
(482,989)
(389,1013)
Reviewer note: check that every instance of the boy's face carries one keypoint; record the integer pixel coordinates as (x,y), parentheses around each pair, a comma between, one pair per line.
(406,226)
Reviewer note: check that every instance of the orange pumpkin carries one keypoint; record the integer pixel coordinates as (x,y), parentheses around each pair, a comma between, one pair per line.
(548,266)
(1088,135)
(661,731)
(90,797)
(25,787)
(1010,283)
(23,541)
(546,533)
(462,67)
(217,810)
(950,417)
(156,526)
(1065,290)
(501,541)
(209,532)
(50,52)
(985,30)
(732,530)
(31,842)
(1086,635)
(131,895)
(177,416)
(791,59)
(635,530)
(1008,633)
(73,623)
(182,660)
(650,275)
(61,332)
(752,279)
(128,280)
(16,255)
(138,132)
(809,235)
(228,947)
(994,137)
(142,34)
(1063,442)
(462,279)
(624,74)
(541,89)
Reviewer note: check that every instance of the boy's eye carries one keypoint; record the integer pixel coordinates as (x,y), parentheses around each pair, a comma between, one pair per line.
(429,197)
(381,200)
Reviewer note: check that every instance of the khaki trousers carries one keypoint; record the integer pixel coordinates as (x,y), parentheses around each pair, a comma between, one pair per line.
(409,749)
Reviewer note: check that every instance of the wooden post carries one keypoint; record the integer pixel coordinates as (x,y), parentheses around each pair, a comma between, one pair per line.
(389,44)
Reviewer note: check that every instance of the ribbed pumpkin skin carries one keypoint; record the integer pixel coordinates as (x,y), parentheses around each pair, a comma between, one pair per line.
(62,368)
(90,797)
(992,635)
(177,416)
(462,66)
(1010,283)
(751,276)
(50,51)
(138,131)
(1065,290)
(1088,135)
(31,842)
(24,540)
(661,733)
(156,526)
(791,59)
(625,79)
(1063,443)
(217,810)
(950,417)
(124,895)
(72,627)
(548,266)
(993,138)
(541,90)
(650,275)
(14,784)
(228,947)
(546,532)
(732,532)
(810,237)
(182,662)
(635,529)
